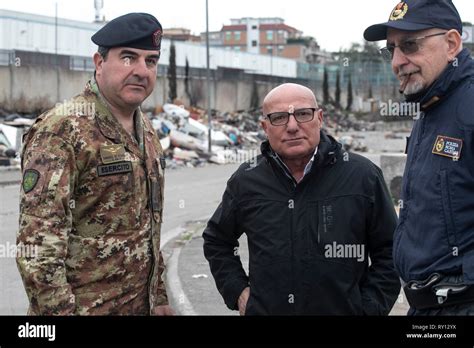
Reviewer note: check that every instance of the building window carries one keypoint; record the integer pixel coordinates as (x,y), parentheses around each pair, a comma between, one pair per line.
(237,35)
(269,49)
(254,27)
(269,35)
(228,36)
(254,43)
(281,48)
(237,48)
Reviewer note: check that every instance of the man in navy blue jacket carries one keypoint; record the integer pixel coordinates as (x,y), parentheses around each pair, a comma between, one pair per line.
(434,241)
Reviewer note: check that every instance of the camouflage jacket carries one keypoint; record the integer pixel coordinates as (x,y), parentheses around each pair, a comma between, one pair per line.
(91,208)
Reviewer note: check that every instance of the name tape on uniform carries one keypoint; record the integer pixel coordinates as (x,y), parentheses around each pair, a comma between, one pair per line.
(448,147)
(115,168)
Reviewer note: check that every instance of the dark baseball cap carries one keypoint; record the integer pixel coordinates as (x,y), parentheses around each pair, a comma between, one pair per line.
(135,30)
(417,15)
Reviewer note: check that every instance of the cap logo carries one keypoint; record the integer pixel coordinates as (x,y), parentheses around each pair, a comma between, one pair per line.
(157,38)
(399,11)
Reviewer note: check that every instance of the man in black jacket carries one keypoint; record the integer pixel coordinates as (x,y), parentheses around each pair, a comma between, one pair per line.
(313,216)
(434,240)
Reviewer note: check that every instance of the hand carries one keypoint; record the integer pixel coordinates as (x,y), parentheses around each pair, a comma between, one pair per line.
(162,311)
(242,302)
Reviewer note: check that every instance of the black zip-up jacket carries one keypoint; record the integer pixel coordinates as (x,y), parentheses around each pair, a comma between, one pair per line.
(306,239)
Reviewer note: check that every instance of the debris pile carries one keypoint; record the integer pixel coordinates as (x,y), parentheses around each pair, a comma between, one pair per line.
(184,136)
(12,127)
(184,133)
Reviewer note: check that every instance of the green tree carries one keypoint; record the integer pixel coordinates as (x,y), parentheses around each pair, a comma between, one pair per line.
(187,87)
(349,94)
(325,88)
(172,74)
(254,101)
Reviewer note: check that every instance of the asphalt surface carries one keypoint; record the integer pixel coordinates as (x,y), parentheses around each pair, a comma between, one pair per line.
(190,284)
(191,196)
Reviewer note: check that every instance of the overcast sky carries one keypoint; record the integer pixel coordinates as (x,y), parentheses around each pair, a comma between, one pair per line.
(334,23)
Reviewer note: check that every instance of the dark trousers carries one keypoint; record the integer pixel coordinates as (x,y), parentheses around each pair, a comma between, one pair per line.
(463,309)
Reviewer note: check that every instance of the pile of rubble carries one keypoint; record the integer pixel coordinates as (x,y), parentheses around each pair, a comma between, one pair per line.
(351,131)
(12,127)
(184,135)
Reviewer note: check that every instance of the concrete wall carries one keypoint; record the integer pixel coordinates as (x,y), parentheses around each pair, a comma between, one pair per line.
(393,167)
(28,89)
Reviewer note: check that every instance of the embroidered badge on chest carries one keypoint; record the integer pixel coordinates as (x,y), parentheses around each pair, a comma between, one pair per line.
(112,153)
(448,147)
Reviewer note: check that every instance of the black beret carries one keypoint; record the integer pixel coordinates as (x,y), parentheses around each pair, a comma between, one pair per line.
(135,30)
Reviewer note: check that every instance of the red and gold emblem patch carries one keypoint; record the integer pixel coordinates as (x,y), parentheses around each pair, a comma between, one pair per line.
(157,38)
(399,11)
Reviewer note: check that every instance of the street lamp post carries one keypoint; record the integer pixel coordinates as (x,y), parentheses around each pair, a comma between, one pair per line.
(56,60)
(208,73)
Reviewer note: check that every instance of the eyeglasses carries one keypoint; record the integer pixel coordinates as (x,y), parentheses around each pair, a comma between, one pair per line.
(409,46)
(301,116)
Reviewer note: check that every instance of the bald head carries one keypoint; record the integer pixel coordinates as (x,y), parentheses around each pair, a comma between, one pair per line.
(288,91)
(297,139)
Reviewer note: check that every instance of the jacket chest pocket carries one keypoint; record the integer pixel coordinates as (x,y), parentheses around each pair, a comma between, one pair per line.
(340,220)
(447,208)
(156,186)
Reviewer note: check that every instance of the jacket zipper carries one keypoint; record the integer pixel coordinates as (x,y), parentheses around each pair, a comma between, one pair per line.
(152,271)
(292,283)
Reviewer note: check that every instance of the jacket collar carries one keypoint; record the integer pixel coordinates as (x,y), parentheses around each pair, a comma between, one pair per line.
(454,74)
(108,124)
(328,151)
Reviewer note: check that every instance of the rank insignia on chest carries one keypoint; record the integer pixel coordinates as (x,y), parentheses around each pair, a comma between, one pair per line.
(448,147)
(112,153)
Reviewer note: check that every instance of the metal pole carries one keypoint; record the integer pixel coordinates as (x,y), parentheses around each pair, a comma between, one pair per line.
(56,60)
(208,73)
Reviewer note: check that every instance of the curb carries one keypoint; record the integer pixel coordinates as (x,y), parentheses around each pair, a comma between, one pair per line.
(176,295)
(8,173)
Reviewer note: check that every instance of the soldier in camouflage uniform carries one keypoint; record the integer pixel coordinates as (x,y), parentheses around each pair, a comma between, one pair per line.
(92,190)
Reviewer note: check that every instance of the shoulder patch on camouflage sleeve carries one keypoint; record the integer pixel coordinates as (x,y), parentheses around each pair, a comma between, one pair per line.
(30,179)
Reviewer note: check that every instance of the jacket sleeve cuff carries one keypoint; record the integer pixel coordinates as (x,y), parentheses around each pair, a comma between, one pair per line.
(232,290)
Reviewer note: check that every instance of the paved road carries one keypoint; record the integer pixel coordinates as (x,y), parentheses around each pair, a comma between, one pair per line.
(193,291)
(190,194)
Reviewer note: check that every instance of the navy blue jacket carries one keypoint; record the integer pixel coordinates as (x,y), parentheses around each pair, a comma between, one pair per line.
(436,227)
